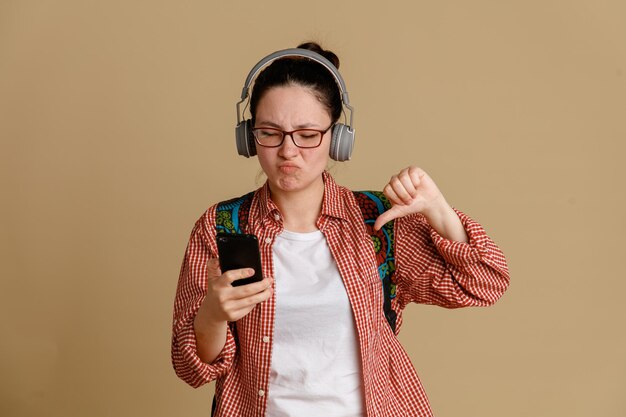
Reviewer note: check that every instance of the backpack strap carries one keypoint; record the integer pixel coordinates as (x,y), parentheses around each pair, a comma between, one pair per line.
(231,215)
(372,205)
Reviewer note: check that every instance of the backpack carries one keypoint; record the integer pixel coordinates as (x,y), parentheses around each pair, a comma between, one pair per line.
(231,215)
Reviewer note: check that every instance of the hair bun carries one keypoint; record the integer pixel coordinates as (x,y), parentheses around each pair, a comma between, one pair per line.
(315,47)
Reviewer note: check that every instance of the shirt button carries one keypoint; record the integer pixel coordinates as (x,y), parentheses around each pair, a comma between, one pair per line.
(276,217)
(266,339)
(261,393)
(268,240)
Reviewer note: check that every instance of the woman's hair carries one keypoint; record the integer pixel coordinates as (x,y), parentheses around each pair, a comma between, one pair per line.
(303,72)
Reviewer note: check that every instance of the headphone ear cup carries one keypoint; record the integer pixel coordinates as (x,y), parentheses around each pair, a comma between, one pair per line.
(341,143)
(244,139)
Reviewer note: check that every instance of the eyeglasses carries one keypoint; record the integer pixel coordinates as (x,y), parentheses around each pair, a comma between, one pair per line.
(302,138)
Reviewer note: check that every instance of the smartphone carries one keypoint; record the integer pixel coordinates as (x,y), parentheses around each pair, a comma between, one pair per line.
(238,251)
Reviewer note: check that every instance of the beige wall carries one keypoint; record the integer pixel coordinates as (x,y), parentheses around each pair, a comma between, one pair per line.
(116,127)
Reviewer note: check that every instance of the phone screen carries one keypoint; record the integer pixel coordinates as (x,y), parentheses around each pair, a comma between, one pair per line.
(238,251)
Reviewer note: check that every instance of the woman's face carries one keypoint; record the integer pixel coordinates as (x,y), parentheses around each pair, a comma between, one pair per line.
(289,168)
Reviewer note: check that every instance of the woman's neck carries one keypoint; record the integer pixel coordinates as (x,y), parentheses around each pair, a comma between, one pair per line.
(300,209)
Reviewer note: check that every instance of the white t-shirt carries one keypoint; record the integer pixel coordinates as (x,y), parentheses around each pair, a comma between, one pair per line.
(315,368)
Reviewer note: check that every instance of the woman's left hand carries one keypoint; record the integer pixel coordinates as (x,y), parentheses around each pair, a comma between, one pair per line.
(413,191)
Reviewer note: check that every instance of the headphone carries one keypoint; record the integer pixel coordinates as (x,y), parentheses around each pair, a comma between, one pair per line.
(342,140)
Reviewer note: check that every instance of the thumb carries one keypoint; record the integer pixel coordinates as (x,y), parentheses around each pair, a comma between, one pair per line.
(213,268)
(389,215)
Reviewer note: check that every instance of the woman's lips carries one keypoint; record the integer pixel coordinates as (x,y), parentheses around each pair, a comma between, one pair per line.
(288,168)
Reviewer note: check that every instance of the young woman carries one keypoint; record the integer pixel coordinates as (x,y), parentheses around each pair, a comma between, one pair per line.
(311,338)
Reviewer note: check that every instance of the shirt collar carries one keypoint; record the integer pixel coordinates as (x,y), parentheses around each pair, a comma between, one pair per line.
(333,205)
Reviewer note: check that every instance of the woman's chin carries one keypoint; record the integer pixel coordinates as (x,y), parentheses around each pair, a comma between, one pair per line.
(288,184)
(294,183)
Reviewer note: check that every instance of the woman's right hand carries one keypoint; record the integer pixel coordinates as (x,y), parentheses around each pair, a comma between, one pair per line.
(224,303)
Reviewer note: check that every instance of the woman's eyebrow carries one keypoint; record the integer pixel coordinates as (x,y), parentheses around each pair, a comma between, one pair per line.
(308,126)
(268,123)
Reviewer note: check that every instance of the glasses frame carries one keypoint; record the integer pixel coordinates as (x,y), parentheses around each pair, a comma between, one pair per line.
(284,133)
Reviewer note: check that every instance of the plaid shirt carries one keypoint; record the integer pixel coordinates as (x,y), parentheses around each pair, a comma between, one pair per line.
(429,270)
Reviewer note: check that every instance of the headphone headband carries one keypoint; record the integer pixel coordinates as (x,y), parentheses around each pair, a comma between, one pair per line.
(296,52)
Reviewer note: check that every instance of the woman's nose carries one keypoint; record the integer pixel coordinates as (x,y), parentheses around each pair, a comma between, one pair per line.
(288,147)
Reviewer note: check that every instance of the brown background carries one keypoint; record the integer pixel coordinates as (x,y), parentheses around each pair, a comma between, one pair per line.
(116,121)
